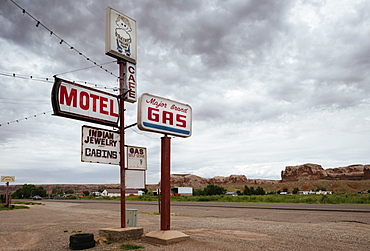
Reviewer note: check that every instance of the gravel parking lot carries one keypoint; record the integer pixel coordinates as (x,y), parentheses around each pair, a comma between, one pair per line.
(48,227)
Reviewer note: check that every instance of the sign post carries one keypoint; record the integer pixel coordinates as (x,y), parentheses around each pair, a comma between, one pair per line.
(121,43)
(122,66)
(161,115)
(165,182)
(7,179)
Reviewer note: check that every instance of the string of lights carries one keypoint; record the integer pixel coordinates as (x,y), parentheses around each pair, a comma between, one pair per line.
(51,80)
(26,118)
(61,40)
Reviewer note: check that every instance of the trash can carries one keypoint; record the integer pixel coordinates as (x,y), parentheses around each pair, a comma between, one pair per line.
(131,217)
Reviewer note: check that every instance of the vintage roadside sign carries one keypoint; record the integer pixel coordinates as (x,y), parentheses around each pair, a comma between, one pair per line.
(100,146)
(136,158)
(135,179)
(7,178)
(161,115)
(83,103)
(120,38)
(130,83)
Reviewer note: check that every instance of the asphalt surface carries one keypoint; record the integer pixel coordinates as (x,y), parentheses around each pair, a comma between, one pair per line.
(278,206)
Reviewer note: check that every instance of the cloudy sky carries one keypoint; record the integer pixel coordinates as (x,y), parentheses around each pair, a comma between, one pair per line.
(271,84)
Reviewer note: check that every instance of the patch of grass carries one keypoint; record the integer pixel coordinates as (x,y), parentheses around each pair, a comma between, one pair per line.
(130,246)
(12,207)
(27,203)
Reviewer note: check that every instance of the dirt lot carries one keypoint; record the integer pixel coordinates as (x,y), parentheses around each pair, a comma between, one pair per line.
(48,227)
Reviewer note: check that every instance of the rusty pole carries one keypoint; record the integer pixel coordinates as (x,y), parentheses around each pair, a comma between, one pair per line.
(7,195)
(122,66)
(165,182)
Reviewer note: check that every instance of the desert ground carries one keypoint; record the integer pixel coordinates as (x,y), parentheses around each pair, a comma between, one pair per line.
(48,227)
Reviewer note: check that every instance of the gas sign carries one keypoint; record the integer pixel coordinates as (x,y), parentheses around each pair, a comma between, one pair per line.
(83,103)
(163,115)
(136,157)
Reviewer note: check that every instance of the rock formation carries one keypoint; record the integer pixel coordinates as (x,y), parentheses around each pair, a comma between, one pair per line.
(316,172)
(190,180)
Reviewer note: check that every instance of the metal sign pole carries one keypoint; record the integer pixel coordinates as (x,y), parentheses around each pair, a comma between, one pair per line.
(165,182)
(122,66)
(7,195)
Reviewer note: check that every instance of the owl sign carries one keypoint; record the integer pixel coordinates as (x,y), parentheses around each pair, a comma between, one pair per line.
(163,115)
(120,37)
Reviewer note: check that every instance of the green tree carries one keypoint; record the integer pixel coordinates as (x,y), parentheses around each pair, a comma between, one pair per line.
(69,191)
(259,191)
(28,191)
(247,190)
(198,192)
(295,190)
(214,190)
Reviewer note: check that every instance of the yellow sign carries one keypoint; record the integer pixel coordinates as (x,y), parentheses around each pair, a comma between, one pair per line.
(7,178)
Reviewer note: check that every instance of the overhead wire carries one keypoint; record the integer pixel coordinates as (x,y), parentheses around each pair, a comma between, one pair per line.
(51,80)
(61,40)
(26,118)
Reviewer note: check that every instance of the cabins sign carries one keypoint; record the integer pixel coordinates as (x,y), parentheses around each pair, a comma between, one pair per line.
(100,146)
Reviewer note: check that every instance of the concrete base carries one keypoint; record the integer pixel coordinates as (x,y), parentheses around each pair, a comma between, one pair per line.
(118,234)
(165,237)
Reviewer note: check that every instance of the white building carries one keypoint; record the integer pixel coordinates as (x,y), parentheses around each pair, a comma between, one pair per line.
(117,192)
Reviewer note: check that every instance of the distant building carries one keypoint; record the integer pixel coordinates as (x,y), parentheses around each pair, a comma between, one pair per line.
(184,191)
(117,192)
(313,192)
(231,193)
(96,194)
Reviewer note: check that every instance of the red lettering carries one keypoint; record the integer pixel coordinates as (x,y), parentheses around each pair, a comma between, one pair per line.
(180,120)
(94,98)
(84,100)
(111,109)
(167,116)
(131,78)
(72,98)
(152,115)
(131,69)
(103,105)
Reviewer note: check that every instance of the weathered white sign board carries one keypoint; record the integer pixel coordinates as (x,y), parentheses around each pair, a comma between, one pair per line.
(100,146)
(83,103)
(120,38)
(157,114)
(135,179)
(136,158)
(7,178)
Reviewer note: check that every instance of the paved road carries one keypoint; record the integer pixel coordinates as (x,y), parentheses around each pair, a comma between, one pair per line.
(279,206)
